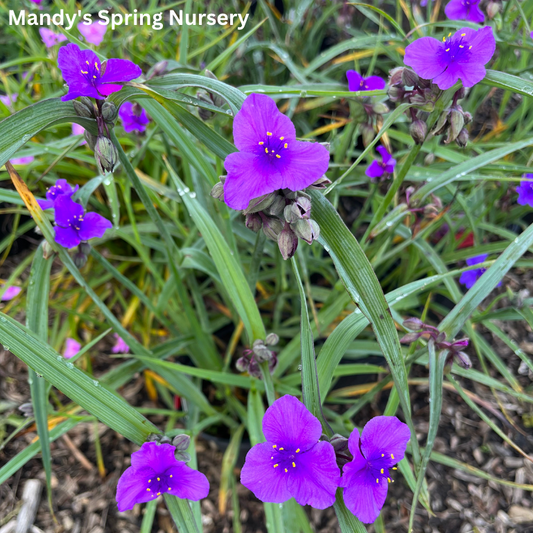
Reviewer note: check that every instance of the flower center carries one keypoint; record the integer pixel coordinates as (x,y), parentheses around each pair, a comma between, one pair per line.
(158,484)
(75,222)
(91,72)
(273,147)
(284,458)
(456,49)
(380,468)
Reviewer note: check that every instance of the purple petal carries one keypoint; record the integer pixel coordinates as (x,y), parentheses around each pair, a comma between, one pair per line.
(70,61)
(120,346)
(106,89)
(449,77)
(268,484)
(469,278)
(355,80)
(425,57)
(67,211)
(391,165)
(22,160)
(374,83)
(374,170)
(159,457)
(93,33)
(287,421)
(50,38)
(383,152)
(384,439)
(10,293)
(316,478)
(77,129)
(75,91)
(132,489)
(364,494)
(475,14)
(93,225)
(257,117)
(120,70)
(186,483)
(45,204)
(66,237)
(525,192)
(456,10)
(72,347)
(482,42)
(477,259)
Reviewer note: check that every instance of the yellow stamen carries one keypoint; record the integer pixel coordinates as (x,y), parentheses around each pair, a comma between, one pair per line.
(286,470)
(169,488)
(149,481)
(281,138)
(158,493)
(463,34)
(382,455)
(388,479)
(275,466)
(447,49)
(285,145)
(170,475)
(95,77)
(443,39)
(158,479)
(281,449)
(278,156)
(266,150)
(394,468)
(148,490)
(470,48)
(261,143)
(269,133)
(84,72)
(297,450)
(461,46)
(96,66)
(87,62)
(377,480)
(449,34)
(274,446)
(293,465)
(392,455)
(382,471)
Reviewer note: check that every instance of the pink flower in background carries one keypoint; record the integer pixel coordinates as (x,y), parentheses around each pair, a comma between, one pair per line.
(78,130)
(22,160)
(8,100)
(10,293)
(50,38)
(120,346)
(72,347)
(93,33)
(38,2)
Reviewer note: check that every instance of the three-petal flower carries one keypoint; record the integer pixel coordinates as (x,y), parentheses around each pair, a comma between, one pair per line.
(386,166)
(133,117)
(60,188)
(356,82)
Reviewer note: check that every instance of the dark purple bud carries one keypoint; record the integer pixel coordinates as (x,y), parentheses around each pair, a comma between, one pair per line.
(395,94)
(254,369)
(396,76)
(287,242)
(182,456)
(272,339)
(463,360)
(159,69)
(413,323)
(303,205)
(462,138)
(273,363)
(242,364)
(80,259)
(339,443)
(468,117)
(181,442)
(461,343)
(320,183)
(272,227)
(218,191)
(205,114)
(253,222)
(410,337)
(418,131)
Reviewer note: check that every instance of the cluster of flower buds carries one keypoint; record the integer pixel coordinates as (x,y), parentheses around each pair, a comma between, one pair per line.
(283,215)
(340,445)
(80,257)
(430,210)
(180,442)
(105,152)
(260,352)
(452,122)
(455,349)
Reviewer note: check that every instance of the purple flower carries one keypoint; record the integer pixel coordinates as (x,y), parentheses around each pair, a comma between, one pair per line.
(74,225)
(356,82)
(365,479)
(386,167)
(22,160)
(471,276)
(93,33)
(154,470)
(61,187)
(133,117)
(8,100)
(292,463)
(82,71)
(525,191)
(270,157)
(10,293)
(50,38)
(38,2)
(72,347)
(78,130)
(461,55)
(464,10)
(120,346)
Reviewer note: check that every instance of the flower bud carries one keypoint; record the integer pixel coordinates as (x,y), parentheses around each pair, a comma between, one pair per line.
(467,117)
(409,78)
(463,360)
(83,110)
(91,139)
(85,248)
(429,159)
(289,215)
(272,339)
(418,131)
(105,154)
(493,8)
(262,353)
(158,438)
(380,108)
(80,259)
(367,133)
(276,207)
(339,443)
(258,204)
(456,124)
(441,337)
(287,242)
(320,184)
(109,111)
(182,456)
(413,323)
(272,227)
(303,206)
(242,364)
(442,122)
(304,230)
(395,76)
(217,191)
(253,222)
(159,69)
(462,138)
(431,210)
(395,94)
(181,442)
(410,337)
(48,251)
(204,114)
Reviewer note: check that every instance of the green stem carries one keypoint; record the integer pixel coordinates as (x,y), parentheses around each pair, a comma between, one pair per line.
(269,384)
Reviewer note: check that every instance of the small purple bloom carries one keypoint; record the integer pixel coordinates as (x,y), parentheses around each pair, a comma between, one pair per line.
(10,293)
(50,38)
(38,2)
(471,276)
(82,71)
(78,130)
(133,117)
(120,346)
(61,187)
(154,470)
(356,82)
(461,55)
(378,169)
(292,463)
(270,157)
(74,225)
(525,191)
(464,10)
(22,160)
(72,347)
(7,100)
(93,33)
(365,479)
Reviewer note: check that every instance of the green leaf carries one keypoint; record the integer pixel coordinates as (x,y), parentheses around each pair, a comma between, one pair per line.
(502,80)
(182,514)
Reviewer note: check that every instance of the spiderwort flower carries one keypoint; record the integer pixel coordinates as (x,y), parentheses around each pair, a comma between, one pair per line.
(8,100)
(22,160)
(85,76)
(270,157)
(378,169)
(461,55)
(78,130)
(464,10)
(356,82)
(51,38)
(133,117)
(60,188)
(365,479)
(120,346)
(10,293)
(93,33)
(74,225)
(72,347)
(525,191)
(154,470)
(292,463)
(469,277)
